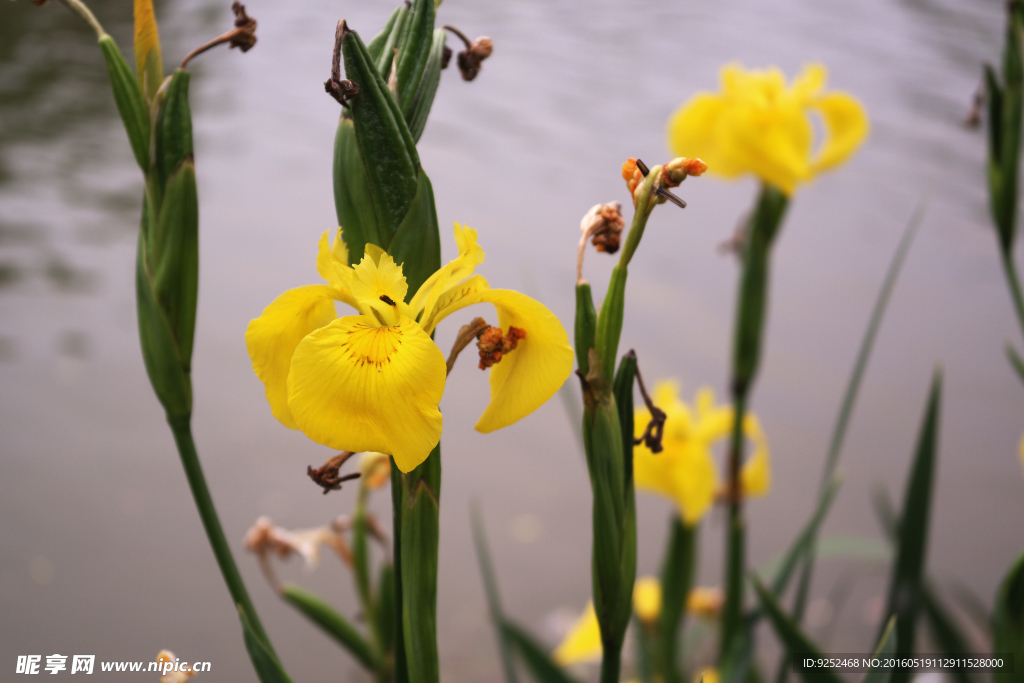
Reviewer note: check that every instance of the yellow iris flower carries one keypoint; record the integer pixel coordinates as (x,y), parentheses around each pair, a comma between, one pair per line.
(685,470)
(373,381)
(583,642)
(758,124)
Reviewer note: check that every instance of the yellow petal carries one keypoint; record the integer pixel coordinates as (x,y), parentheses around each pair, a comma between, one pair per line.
(773,143)
(693,132)
(583,642)
(647,598)
(372,280)
(756,473)
(454,272)
(527,377)
(357,386)
(271,340)
(809,82)
(331,262)
(454,299)
(846,128)
(709,675)
(373,252)
(684,473)
(149,68)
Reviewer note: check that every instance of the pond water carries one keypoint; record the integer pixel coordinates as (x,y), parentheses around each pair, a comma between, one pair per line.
(102,549)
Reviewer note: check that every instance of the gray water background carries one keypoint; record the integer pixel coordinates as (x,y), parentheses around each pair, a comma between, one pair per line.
(101,550)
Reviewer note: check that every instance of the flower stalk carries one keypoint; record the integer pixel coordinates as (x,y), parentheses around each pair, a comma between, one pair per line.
(608,419)
(748,334)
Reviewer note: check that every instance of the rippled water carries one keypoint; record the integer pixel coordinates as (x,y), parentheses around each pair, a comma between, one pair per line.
(102,550)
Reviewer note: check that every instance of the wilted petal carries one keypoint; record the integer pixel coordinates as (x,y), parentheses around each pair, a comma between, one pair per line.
(356,386)
(271,339)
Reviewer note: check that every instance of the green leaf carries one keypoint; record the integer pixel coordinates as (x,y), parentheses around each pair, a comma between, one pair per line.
(625,376)
(944,630)
(414,52)
(357,214)
(1008,620)
(793,639)
(908,570)
(1015,361)
(130,103)
(397,508)
(332,623)
(375,48)
(424,100)
(536,659)
(609,322)
(385,613)
(268,669)
(420,536)
(173,129)
(677,571)
(159,349)
(385,144)
(483,557)
(586,323)
(361,561)
(752,293)
(174,253)
(737,664)
(417,242)
(783,567)
(886,648)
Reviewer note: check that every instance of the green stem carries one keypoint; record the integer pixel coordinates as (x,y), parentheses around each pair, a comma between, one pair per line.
(81,10)
(611,663)
(734,558)
(211,523)
(676,580)
(609,322)
(1014,282)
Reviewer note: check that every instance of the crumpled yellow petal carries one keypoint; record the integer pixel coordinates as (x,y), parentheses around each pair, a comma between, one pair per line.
(271,340)
(331,262)
(455,271)
(149,69)
(358,386)
(647,598)
(583,642)
(846,128)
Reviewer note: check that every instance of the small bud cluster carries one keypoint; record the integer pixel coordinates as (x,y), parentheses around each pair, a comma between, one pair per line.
(493,345)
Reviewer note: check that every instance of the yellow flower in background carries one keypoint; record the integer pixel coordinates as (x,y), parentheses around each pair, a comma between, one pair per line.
(373,381)
(685,470)
(759,124)
(647,599)
(583,642)
(709,675)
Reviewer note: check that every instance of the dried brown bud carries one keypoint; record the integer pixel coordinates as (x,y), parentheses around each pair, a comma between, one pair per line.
(604,224)
(469,60)
(245,35)
(493,345)
(446,57)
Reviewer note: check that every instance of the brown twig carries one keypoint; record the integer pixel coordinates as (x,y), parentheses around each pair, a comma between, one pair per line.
(337,87)
(243,36)
(655,430)
(326,476)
